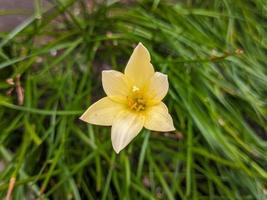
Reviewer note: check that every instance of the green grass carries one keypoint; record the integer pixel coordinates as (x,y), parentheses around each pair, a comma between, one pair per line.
(214,53)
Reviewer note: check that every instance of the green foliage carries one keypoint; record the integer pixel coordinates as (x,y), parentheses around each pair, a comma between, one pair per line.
(214,53)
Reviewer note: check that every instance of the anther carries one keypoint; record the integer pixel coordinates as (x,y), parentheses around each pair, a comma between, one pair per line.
(133,106)
(140,107)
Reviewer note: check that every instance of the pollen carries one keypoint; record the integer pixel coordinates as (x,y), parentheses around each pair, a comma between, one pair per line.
(136,102)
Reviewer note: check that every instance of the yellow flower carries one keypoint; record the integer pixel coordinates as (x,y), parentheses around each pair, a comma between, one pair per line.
(133,100)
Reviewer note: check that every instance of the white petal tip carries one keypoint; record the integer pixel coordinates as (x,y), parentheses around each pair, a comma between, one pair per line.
(159,74)
(117,150)
(81,118)
(84,119)
(140,45)
(163,130)
(105,72)
(170,129)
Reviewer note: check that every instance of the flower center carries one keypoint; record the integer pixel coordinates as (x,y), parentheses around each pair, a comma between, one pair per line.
(136,100)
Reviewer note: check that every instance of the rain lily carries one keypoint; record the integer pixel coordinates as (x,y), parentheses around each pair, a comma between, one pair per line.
(134,100)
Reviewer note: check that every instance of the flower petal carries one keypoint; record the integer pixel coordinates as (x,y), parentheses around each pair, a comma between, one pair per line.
(157,88)
(139,69)
(158,118)
(103,112)
(115,85)
(126,126)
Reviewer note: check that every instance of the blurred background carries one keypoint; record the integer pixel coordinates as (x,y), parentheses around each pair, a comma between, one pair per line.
(51,57)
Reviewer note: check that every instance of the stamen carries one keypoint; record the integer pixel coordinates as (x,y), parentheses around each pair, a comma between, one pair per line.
(134,105)
(140,107)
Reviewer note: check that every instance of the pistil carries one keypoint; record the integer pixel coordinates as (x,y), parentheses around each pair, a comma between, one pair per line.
(136,101)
